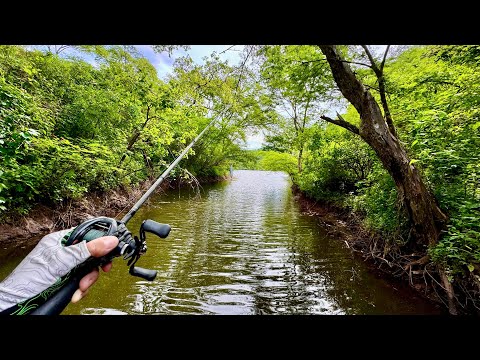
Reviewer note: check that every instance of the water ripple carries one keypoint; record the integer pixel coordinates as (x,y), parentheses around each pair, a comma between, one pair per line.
(244,248)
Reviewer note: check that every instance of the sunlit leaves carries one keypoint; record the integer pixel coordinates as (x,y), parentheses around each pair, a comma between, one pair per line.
(435,95)
(298,80)
(69,127)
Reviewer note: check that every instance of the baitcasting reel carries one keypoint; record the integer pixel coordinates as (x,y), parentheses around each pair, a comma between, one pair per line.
(130,247)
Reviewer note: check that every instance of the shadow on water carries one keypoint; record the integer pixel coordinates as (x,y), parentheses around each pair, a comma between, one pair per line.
(243,247)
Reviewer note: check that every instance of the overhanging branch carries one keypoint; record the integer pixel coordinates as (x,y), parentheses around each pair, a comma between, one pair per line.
(372,60)
(341,122)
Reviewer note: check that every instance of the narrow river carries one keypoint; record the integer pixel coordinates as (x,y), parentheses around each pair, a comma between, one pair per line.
(241,247)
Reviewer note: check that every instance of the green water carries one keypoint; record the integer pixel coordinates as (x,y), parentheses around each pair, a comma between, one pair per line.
(240,247)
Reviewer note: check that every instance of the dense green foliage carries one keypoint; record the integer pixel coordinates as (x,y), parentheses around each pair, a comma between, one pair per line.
(267,160)
(436,102)
(296,86)
(68,127)
(433,94)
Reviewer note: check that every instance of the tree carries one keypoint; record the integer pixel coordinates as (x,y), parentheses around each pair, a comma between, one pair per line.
(379,132)
(275,161)
(295,79)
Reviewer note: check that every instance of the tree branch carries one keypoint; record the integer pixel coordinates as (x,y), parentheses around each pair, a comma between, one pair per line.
(371,87)
(305,62)
(341,122)
(372,60)
(383,98)
(345,61)
(61,48)
(305,114)
(381,87)
(242,68)
(136,134)
(384,58)
(433,81)
(226,50)
(294,107)
(357,63)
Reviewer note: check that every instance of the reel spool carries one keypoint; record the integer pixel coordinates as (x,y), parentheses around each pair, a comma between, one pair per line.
(130,247)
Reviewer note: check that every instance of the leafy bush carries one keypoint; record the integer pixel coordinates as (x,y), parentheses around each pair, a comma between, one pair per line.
(275,161)
(68,127)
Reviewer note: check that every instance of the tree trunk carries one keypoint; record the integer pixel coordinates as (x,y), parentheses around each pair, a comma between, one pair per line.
(300,155)
(426,217)
(135,136)
(148,164)
(131,142)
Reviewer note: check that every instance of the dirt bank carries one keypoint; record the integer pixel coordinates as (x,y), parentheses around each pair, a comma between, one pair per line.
(382,259)
(43,219)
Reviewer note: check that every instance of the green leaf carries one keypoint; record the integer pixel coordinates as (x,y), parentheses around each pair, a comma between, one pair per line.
(413,161)
(470,267)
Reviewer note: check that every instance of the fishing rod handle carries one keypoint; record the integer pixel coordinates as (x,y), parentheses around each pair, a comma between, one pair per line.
(60,299)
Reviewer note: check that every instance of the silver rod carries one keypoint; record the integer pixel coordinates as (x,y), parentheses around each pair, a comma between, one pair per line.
(162,177)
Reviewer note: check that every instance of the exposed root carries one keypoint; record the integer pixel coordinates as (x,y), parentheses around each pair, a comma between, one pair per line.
(452,309)
(421,261)
(462,295)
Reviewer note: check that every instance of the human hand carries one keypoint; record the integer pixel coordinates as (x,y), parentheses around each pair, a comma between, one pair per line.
(46,264)
(97,248)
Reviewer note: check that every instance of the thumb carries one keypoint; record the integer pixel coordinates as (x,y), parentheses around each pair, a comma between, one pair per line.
(102,245)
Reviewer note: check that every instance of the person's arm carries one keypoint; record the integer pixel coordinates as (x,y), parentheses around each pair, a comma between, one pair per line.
(48,262)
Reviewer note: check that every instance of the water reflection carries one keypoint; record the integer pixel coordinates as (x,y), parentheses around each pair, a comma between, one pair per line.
(243,248)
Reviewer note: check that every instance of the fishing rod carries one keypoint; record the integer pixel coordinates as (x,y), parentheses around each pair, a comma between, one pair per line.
(53,300)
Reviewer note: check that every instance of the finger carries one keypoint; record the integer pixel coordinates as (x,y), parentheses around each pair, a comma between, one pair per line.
(88,280)
(102,245)
(107,267)
(78,295)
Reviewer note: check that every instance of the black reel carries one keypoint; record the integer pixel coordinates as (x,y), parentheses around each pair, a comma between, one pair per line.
(130,247)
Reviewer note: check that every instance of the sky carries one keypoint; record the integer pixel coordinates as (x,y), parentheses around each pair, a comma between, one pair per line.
(163,63)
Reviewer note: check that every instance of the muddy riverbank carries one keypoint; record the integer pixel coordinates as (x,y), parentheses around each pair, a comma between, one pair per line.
(347,227)
(43,219)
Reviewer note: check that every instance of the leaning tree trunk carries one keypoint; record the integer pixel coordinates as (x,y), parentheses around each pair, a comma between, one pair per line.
(426,217)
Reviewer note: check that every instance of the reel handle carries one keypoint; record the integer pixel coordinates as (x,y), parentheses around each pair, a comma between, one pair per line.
(146,274)
(161,230)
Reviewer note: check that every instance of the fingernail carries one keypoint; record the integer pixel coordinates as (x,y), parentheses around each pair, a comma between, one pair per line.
(77,296)
(110,242)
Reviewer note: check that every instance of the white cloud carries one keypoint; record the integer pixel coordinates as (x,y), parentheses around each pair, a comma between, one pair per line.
(163,63)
